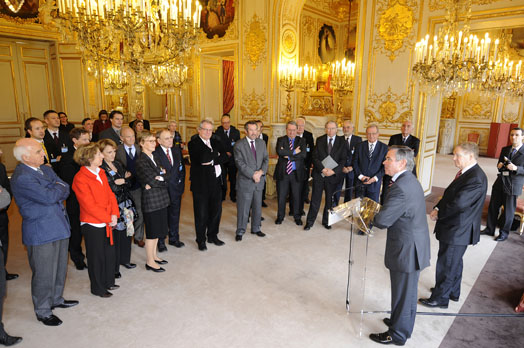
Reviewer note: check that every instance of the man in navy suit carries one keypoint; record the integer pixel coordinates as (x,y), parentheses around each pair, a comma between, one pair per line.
(407,243)
(170,157)
(349,174)
(367,164)
(228,135)
(458,216)
(56,140)
(117,119)
(507,187)
(40,194)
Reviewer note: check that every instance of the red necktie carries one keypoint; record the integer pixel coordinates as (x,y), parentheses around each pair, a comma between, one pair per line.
(169,157)
(458,174)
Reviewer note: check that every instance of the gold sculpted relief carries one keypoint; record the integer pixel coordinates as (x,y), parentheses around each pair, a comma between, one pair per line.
(435,5)
(289,41)
(395,26)
(308,26)
(255,41)
(388,109)
(448,107)
(253,105)
(477,108)
(318,103)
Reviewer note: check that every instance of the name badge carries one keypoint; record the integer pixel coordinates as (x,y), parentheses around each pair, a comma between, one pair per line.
(112,172)
(64,148)
(162,171)
(232,143)
(180,168)
(505,173)
(307,149)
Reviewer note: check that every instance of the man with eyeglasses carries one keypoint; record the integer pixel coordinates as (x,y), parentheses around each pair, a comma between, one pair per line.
(207,156)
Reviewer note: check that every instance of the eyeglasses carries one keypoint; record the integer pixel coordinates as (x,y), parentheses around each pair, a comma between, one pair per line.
(207,129)
(150,141)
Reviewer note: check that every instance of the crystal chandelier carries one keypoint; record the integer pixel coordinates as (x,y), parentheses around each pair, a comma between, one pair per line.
(166,78)
(115,79)
(140,36)
(459,62)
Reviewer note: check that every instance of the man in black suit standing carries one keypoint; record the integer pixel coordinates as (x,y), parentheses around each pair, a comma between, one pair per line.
(458,216)
(507,187)
(228,135)
(289,171)
(140,117)
(310,144)
(56,141)
(67,170)
(4,222)
(348,173)
(367,164)
(264,137)
(170,157)
(407,245)
(205,176)
(113,132)
(326,179)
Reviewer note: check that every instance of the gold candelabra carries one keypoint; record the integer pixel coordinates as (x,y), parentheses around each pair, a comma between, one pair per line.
(342,80)
(292,77)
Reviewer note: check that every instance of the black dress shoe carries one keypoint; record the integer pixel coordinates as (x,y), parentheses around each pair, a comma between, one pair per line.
(66,304)
(10,276)
(291,214)
(80,266)
(278,221)
(7,340)
(113,287)
(298,222)
(129,265)
(264,204)
(177,244)
(501,238)
(202,246)
(262,218)
(307,227)
(326,226)
(118,275)
(216,241)
(161,262)
(157,270)
(360,233)
(238,237)
(234,200)
(384,338)
(487,232)
(387,321)
(161,248)
(51,320)
(452,298)
(106,294)
(259,233)
(306,201)
(432,303)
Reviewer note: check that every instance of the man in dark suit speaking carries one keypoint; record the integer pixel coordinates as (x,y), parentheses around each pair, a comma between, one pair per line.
(407,243)
(507,187)
(458,216)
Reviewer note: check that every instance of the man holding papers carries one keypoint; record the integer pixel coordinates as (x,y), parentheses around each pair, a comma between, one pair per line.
(329,157)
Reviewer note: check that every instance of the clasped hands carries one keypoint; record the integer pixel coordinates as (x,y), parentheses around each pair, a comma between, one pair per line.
(327,172)
(257,175)
(366,180)
(346,170)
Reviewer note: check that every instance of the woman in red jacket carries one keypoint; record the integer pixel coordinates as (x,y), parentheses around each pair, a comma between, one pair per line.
(98,214)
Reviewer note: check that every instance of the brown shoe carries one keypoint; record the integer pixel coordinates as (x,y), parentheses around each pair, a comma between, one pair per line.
(140,243)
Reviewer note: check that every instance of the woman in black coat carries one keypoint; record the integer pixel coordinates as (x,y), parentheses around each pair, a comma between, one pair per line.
(155,199)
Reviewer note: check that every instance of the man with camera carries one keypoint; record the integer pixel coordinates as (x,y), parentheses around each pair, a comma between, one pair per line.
(507,187)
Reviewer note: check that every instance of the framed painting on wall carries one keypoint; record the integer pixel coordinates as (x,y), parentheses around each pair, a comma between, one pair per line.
(216,17)
(25,9)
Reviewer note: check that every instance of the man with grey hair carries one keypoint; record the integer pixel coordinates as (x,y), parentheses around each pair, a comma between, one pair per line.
(40,194)
(458,215)
(407,243)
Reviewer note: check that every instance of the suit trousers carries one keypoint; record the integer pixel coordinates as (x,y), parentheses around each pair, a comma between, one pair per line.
(304,193)
(367,190)
(449,272)
(348,179)
(403,304)
(49,266)
(100,259)
(4,235)
(231,173)
(289,183)
(75,242)
(207,207)
(139,222)
(122,245)
(498,199)
(173,212)
(320,185)
(2,290)
(246,202)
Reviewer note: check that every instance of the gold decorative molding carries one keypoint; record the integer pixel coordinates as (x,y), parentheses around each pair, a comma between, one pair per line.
(395,26)
(255,40)
(384,108)
(319,103)
(448,107)
(511,111)
(435,5)
(477,108)
(289,40)
(308,26)
(253,105)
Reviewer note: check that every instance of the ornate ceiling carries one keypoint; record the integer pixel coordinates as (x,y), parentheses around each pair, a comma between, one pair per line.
(334,8)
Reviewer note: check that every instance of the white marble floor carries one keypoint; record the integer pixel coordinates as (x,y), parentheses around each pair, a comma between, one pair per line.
(285,290)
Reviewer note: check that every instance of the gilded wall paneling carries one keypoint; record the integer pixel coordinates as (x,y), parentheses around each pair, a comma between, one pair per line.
(254,106)
(512,111)
(73,88)
(37,87)
(255,41)
(388,109)
(9,92)
(435,5)
(211,82)
(477,107)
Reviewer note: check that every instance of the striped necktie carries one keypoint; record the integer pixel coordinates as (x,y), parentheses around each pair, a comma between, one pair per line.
(289,167)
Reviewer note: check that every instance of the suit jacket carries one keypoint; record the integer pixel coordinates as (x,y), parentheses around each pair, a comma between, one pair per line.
(40,199)
(67,170)
(247,165)
(4,182)
(265,137)
(228,142)
(157,197)
(404,215)
(110,133)
(284,150)
(53,149)
(203,177)
(460,208)
(338,153)
(412,142)
(374,167)
(99,126)
(514,181)
(67,128)
(177,171)
(121,154)
(145,122)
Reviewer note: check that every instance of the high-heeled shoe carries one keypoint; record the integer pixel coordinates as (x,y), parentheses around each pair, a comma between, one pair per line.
(161,262)
(149,268)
